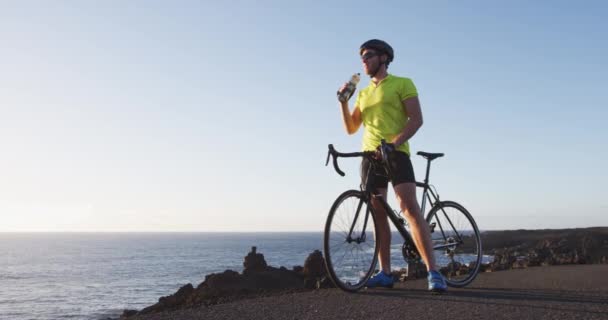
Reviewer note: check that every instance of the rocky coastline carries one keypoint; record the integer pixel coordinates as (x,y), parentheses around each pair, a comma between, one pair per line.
(513,249)
(528,248)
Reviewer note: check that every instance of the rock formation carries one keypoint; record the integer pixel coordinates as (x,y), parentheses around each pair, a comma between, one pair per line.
(257,278)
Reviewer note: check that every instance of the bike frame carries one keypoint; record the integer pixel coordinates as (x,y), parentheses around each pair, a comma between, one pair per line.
(398,221)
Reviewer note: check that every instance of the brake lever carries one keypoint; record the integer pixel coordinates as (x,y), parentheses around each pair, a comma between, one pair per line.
(383,150)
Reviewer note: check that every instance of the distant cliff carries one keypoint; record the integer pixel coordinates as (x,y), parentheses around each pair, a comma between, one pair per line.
(523,248)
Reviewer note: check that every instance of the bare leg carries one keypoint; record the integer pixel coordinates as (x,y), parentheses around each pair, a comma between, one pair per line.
(383,233)
(421,234)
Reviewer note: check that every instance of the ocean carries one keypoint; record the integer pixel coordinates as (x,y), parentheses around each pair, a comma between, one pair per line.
(94,276)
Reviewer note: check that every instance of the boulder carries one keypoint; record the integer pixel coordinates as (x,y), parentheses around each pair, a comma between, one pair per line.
(315,275)
(254,262)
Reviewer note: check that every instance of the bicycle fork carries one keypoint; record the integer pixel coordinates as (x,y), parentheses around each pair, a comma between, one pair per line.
(362,236)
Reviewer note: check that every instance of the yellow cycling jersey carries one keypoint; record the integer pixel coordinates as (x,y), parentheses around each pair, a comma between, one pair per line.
(382,111)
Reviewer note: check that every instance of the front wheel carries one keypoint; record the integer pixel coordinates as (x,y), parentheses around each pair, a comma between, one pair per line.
(456,243)
(349,243)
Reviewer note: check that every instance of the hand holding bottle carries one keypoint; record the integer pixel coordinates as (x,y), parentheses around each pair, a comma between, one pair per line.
(347,90)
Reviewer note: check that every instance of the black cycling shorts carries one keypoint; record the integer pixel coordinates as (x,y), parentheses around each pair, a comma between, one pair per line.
(401,167)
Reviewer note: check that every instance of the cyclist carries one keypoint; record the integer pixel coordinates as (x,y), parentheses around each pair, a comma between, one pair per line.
(389,109)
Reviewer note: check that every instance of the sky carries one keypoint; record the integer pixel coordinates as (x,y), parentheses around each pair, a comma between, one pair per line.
(216,115)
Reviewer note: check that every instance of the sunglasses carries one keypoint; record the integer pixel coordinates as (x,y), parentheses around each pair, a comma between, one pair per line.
(369,55)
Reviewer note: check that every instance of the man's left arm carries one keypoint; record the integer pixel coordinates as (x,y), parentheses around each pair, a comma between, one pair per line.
(412,109)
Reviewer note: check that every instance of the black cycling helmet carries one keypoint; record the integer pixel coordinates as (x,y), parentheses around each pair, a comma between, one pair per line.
(380,46)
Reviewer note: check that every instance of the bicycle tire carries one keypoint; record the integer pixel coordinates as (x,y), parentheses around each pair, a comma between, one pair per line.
(456,242)
(351,263)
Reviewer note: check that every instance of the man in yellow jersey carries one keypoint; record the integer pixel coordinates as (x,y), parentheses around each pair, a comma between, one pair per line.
(389,109)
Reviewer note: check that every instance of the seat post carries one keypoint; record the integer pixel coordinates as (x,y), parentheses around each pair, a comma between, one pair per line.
(428,169)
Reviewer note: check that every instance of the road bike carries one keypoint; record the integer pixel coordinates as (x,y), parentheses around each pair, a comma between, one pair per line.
(351,252)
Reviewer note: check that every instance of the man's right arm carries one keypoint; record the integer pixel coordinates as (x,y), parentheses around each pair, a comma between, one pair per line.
(352,122)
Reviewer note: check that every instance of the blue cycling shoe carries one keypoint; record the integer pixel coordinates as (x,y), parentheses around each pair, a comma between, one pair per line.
(380,279)
(436,282)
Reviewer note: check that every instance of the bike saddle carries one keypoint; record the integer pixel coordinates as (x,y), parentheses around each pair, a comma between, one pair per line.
(430,156)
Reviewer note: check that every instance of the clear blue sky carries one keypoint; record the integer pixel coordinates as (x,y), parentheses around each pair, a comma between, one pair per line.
(215,116)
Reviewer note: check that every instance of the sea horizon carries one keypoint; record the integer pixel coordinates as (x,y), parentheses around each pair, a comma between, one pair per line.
(248,232)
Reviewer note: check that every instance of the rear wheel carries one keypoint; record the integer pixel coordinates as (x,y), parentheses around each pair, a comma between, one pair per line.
(349,243)
(456,243)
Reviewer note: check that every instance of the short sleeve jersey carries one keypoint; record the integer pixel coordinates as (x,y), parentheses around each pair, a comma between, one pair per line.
(382,111)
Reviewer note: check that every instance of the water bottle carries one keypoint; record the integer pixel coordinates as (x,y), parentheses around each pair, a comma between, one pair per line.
(350,88)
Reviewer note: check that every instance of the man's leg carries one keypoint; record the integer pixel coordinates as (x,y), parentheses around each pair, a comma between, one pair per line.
(383,233)
(421,234)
